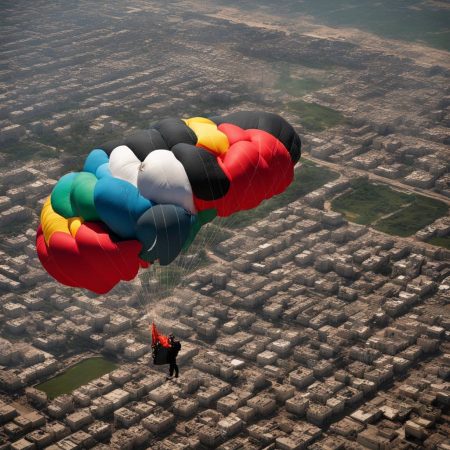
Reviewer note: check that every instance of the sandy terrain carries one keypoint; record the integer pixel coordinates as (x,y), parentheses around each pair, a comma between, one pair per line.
(421,54)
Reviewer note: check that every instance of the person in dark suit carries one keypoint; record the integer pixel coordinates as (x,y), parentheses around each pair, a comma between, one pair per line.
(175,347)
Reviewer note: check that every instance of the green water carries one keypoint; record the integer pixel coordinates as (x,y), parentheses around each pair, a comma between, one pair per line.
(77,376)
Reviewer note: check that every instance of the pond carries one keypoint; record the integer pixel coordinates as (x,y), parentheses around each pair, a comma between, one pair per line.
(76,376)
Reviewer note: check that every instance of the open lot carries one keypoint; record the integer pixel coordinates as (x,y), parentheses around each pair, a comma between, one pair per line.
(388,210)
(316,117)
(297,86)
(420,212)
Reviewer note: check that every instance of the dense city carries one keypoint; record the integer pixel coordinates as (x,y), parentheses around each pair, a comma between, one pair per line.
(301,327)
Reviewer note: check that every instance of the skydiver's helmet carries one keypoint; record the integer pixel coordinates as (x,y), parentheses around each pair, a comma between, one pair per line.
(171,337)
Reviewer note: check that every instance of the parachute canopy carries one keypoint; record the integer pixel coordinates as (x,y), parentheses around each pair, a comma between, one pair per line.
(143,198)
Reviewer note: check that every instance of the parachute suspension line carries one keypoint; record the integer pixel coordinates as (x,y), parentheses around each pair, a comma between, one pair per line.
(143,281)
(162,273)
(167,271)
(142,293)
(207,234)
(139,290)
(230,221)
(190,262)
(136,290)
(233,218)
(202,242)
(182,264)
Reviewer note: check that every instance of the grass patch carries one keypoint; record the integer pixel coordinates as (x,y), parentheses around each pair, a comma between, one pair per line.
(368,202)
(76,376)
(297,86)
(316,117)
(420,213)
(440,241)
(309,178)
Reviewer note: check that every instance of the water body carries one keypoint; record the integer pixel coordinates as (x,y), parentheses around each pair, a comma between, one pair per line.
(77,376)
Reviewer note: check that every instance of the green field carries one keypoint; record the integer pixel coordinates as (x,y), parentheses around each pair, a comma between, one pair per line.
(76,376)
(369,203)
(309,178)
(421,212)
(297,86)
(440,241)
(314,117)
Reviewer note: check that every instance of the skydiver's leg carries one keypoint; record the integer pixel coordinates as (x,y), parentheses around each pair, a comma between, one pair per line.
(171,368)
(176,369)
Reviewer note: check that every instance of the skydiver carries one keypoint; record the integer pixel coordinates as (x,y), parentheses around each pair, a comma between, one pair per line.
(175,347)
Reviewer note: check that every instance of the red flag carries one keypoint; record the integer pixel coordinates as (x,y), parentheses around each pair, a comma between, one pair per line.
(156,337)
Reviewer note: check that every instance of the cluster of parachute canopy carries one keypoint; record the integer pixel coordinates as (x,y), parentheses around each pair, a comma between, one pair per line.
(144,198)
